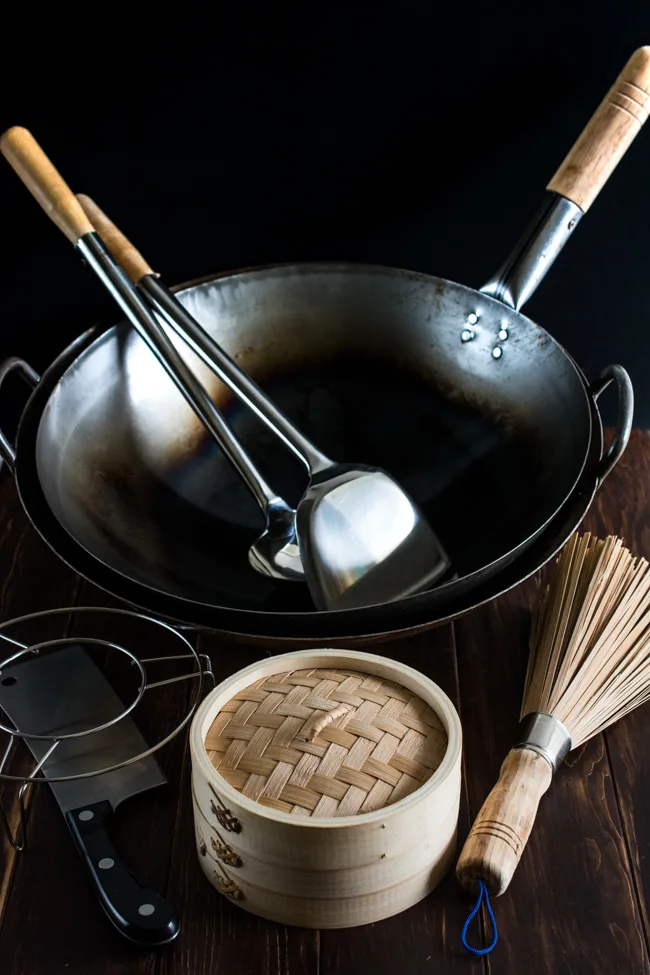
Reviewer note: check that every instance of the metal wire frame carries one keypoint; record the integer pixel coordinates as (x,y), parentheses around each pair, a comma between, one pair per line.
(202,672)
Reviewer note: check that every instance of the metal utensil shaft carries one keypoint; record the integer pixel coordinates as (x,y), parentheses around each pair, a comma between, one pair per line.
(227,369)
(526,267)
(114,279)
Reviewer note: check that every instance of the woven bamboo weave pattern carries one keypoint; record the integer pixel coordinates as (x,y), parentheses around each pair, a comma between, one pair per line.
(383,747)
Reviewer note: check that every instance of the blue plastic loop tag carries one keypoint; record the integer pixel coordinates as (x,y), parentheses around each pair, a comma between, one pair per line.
(482,894)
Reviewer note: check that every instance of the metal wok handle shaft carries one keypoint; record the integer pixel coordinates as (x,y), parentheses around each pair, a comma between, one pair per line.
(174,313)
(575,185)
(59,202)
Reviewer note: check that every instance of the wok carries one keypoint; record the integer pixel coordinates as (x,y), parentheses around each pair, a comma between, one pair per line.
(475,409)
(94,455)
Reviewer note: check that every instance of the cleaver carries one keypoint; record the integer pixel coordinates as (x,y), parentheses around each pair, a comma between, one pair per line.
(64,692)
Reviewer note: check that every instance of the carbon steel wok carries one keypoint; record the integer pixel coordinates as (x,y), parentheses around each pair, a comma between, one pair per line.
(411,615)
(476,410)
(95,455)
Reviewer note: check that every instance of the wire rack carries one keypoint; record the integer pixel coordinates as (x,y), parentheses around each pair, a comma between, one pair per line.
(82,626)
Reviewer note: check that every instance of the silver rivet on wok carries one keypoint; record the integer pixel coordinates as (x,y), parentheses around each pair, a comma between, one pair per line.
(497,352)
(503,334)
(467,335)
(472,318)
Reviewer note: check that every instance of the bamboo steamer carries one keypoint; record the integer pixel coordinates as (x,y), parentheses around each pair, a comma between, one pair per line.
(326,787)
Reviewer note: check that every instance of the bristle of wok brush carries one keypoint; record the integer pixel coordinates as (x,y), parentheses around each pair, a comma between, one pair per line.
(590,640)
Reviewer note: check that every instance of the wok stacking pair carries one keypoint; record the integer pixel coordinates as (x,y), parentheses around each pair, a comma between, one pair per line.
(489,431)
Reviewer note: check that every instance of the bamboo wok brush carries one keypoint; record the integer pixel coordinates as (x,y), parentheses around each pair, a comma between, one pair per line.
(589,665)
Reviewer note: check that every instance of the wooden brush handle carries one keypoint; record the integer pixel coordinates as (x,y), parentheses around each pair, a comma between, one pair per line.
(501,830)
(120,247)
(22,151)
(608,134)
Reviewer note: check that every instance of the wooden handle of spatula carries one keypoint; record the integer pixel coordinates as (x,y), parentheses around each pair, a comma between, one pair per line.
(501,830)
(608,134)
(120,247)
(23,153)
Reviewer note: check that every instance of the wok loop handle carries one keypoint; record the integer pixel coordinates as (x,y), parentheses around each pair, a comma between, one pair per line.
(608,134)
(625,391)
(13,364)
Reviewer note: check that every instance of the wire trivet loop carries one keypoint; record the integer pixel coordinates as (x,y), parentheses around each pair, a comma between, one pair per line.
(14,820)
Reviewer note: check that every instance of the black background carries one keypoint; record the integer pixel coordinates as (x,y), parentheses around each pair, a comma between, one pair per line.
(421,139)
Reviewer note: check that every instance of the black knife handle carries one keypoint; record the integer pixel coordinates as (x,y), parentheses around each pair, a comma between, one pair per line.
(137,912)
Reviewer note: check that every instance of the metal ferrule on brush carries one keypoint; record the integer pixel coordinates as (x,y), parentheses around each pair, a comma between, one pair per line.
(547,736)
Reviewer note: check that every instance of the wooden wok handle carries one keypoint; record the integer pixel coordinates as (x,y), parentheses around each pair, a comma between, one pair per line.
(121,249)
(501,830)
(23,153)
(608,134)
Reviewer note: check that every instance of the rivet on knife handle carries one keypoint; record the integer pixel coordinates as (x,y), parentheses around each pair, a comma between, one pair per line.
(140,914)
(608,134)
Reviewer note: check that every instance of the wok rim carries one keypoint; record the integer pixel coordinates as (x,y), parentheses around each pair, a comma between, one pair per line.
(413,606)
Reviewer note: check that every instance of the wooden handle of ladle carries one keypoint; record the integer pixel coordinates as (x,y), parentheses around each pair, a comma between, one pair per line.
(500,832)
(120,247)
(608,134)
(23,153)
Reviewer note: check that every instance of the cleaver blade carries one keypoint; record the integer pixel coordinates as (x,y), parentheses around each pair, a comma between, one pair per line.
(64,692)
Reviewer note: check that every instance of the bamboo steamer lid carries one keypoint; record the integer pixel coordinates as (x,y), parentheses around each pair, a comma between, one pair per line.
(326,742)
(326,787)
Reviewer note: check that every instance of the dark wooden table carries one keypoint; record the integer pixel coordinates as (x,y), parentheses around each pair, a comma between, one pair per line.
(578,903)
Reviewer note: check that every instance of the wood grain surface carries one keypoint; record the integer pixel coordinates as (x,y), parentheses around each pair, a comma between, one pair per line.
(127,256)
(44,182)
(501,829)
(578,902)
(607,136)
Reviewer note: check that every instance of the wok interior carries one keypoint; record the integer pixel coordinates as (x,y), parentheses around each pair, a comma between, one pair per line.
(370,363)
